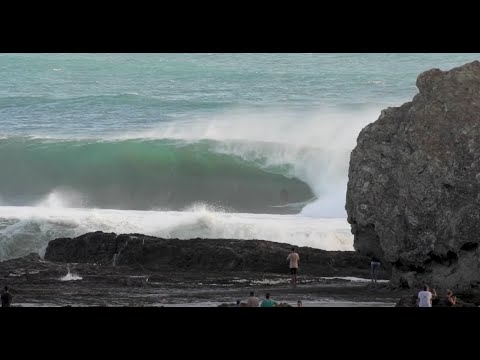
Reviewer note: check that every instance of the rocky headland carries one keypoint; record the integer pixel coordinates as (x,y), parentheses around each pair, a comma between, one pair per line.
(413,197)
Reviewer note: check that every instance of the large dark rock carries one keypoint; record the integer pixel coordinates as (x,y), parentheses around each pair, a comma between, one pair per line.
(464,301)
(220,255)
(413,195)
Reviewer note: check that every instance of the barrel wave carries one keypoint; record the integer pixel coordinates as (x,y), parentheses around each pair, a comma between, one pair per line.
(145,174)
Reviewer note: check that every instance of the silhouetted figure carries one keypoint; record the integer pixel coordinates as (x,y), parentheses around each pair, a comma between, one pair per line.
(6,297)
(435,299)
(294,258)
(374,266)
(299,303)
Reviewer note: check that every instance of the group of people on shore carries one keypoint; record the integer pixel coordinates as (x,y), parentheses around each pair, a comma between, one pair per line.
(254,301)
(428,297)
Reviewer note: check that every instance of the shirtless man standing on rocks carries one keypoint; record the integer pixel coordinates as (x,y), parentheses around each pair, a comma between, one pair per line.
(294,258)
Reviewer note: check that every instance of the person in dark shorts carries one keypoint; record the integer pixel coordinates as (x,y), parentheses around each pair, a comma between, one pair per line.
(6,297)
(374,266)
(294,258)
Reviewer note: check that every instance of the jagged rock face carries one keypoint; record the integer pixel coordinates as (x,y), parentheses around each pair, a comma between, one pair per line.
(414,183)
(219,255)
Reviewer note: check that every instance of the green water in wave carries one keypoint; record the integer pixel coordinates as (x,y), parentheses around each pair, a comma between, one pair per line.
(141,174)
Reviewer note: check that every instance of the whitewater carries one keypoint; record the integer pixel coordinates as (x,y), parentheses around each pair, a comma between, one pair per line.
(233,146)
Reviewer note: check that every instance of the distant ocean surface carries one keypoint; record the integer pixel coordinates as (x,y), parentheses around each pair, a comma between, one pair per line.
(246,146)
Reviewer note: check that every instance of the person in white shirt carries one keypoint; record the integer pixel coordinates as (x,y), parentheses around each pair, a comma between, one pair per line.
(424,298)
(294,258)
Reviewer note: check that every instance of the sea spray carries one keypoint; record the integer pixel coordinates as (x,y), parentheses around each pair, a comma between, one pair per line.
(29,229)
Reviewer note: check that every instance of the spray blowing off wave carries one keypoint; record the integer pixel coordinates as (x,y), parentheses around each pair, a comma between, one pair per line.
(29,229)
(313,146)
(242,161)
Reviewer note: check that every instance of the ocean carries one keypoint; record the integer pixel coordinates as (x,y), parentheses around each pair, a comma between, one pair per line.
(245,146)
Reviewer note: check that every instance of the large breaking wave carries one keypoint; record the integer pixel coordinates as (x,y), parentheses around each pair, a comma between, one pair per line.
(239,166)
(244,162)
(144,175)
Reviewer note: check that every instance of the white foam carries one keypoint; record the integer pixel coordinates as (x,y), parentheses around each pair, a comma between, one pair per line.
(352,278)
(70,277)
(270,281)
(36,226)
(60,198)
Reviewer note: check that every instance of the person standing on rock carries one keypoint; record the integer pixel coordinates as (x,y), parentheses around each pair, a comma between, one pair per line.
(294,258)
(424,298)
(253,301)
(6,297)
(374,266)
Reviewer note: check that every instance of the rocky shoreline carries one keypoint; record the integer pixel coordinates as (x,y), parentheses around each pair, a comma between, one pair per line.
(105,269)
(133,270)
